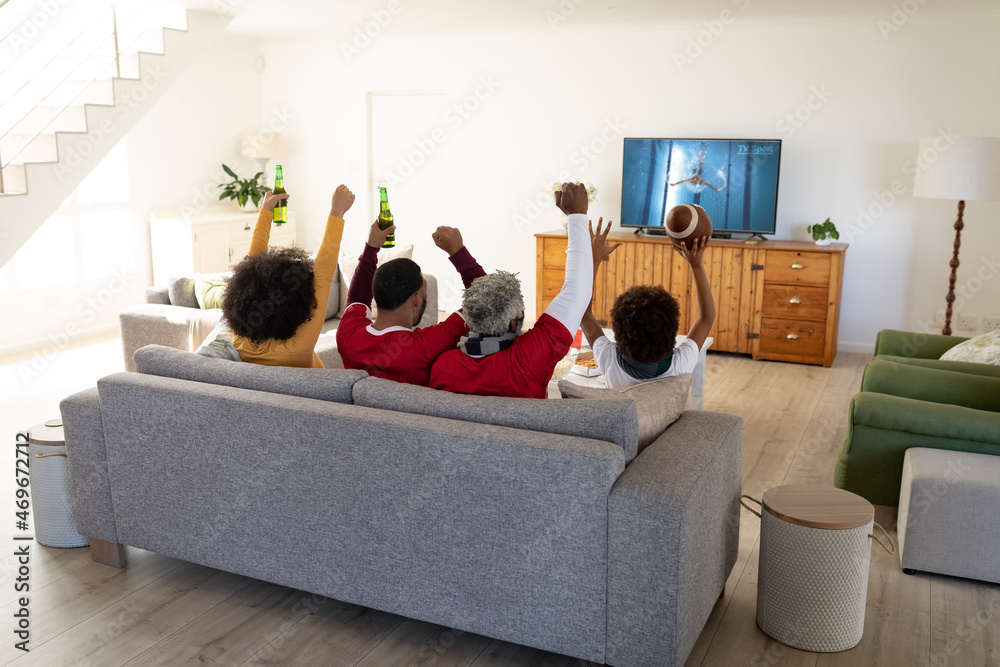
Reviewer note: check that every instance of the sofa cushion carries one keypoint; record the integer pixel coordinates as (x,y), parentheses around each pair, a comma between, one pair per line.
(181,292)
(333,303)
(658,404)
(984,349)
(322,383)
(210,288)
(611,421)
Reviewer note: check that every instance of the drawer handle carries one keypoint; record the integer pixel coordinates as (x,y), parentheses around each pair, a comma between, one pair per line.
(247,228)
(798,265)
(795,299)
(792,336)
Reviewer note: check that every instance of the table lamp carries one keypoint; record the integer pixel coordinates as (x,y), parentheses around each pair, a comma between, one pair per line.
(262,146)
(966,169)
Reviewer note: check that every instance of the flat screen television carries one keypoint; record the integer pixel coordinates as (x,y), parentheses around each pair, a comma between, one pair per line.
(734,180)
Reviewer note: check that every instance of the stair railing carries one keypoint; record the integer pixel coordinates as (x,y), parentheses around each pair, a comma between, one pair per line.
(117,62)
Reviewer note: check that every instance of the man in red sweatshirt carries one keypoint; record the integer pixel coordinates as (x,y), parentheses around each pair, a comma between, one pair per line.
(390,346)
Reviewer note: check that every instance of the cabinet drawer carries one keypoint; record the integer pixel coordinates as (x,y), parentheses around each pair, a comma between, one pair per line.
(791,338)
(790,266)
(795,302)
(554,253)
(552,282)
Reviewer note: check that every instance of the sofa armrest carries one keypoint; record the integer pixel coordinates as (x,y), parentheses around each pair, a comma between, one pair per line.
(924,418)
(158,294)
(88,465)
(673,537)
(431,312)
(935,385)
(914,344)
(155,323)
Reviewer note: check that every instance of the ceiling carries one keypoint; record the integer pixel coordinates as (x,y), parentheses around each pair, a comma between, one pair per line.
(338,18)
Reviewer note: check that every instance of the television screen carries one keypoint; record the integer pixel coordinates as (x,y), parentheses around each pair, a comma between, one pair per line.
(734,180)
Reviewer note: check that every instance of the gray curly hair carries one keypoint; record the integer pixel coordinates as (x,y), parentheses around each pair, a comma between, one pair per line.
(491,302)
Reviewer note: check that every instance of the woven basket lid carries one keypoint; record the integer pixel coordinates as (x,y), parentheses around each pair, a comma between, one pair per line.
(44,434)
(818,506)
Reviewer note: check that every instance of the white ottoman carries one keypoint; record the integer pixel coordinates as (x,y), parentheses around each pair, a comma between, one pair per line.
(949,514)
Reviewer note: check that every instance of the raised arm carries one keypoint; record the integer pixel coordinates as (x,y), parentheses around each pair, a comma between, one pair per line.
(450,240)
(706,304)
(360,290)
(571,302)
(591,328)
(262,231)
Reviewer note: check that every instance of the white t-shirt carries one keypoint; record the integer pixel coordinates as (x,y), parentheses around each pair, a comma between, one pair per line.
(685,358)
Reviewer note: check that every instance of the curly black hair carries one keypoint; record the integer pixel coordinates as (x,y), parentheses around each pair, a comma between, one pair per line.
(645,319)
(270,294)
(395,282)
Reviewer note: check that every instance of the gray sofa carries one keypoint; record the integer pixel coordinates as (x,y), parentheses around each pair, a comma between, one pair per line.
(532,521)
(171,317)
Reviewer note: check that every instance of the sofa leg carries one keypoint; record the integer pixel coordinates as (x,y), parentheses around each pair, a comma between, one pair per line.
(907,570)
(107,553)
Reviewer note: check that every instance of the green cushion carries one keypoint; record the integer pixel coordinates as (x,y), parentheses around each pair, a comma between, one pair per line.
(936,385)
(957,366)
(209,290)
(914,344)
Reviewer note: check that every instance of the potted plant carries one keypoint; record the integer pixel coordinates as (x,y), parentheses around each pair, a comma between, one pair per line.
(243,190)
(822,232)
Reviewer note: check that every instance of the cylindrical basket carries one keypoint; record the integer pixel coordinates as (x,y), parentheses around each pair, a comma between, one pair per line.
(814,557)
(51,502)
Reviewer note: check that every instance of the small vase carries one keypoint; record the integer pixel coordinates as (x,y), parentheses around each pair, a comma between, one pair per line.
(248,206)
(825,240)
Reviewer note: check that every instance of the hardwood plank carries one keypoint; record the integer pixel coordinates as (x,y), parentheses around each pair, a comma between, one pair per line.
(87,591)
(644,275)
(964,622)
(504,654)
(235,629)
(48,565)
(747,324)
(417,644)
(335,628)
(125,629)
(744,388)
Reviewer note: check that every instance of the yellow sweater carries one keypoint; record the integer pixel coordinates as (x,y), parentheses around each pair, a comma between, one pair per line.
(297,350)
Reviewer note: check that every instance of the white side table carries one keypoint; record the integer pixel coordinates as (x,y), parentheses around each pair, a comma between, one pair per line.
(696,400)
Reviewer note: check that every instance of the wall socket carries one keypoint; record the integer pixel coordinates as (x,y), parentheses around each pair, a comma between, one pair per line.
(991,322)
(968,322)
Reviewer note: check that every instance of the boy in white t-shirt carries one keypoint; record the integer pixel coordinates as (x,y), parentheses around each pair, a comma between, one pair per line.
(644,319)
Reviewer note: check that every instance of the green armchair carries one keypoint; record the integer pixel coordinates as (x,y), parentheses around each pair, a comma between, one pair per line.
(910,398)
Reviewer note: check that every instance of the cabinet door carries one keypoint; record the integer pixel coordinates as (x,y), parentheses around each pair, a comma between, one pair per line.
(211,249)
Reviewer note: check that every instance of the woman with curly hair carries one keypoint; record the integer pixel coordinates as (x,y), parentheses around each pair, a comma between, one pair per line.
(644,319)
(275,301)
(496,359)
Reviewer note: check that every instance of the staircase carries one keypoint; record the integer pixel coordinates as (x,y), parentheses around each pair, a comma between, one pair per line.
(75,77)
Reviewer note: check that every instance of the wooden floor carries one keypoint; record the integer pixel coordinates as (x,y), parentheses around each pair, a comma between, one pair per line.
(162,611)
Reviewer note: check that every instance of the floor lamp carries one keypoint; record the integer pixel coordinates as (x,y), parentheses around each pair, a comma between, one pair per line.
(962,168)
(262,146)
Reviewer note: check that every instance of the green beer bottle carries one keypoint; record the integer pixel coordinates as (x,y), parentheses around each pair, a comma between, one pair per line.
(385,217)
(281,208)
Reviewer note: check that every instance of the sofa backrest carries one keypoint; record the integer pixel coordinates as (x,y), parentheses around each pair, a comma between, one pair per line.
(614,421)
(320,383)
(484,528)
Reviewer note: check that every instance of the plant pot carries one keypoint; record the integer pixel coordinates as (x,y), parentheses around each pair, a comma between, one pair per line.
(248,207)
(826,240)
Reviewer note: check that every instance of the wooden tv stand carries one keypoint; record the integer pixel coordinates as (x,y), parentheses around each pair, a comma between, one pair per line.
(777,300)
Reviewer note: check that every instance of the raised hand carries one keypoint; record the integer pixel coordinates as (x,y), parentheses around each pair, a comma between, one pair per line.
(271,199)
(598,241)
(693,254)
(376,236)
(572,198)
(448,239)
(342,200)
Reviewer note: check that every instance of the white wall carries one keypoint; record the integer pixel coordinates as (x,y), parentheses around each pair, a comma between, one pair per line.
(556,91)
(174,153)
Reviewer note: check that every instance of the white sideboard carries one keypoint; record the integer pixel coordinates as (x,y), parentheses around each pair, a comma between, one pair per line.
(211,241)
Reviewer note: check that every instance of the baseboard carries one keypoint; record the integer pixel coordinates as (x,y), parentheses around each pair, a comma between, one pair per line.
(862,348)
(26,349)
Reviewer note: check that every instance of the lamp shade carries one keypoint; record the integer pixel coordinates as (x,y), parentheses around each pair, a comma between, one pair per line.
(262,145)
(958,168)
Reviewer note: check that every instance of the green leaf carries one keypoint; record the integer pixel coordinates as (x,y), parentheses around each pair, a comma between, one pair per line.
(257,175)
(224,196)
(230,172)
(255,197)
(835,234)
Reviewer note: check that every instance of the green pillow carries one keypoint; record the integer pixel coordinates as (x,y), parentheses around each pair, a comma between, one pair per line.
(209,290)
